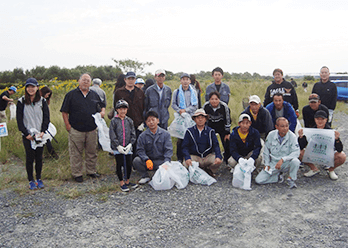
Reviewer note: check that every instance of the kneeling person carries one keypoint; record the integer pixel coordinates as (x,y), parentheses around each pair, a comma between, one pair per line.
(245,142)
(201,145)
(280,155)
(153,149)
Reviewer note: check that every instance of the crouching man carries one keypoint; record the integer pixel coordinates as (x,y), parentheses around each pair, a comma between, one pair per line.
(201,145)
(280,155)
(153,149)
(245,142)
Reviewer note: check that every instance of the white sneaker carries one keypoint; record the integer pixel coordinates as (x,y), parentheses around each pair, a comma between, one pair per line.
(311,173)
(333,175)
(144,180)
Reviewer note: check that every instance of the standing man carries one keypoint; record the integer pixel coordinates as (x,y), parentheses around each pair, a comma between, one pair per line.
(218,86)
(4,100)
(201,145)
(184,101)
(96,87)
(154,147)
(158,98)
(327,91)
(280,108)
(279,85)
(280,155)
(309,111)
(77,109)
(260,117)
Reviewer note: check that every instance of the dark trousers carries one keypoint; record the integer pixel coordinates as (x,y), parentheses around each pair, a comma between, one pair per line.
(31,156)
(226,145)
(120,163)
(179,153)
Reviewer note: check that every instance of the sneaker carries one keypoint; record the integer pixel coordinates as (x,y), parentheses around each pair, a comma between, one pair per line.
(144,180)
(79,179)
(124,188)
(32,185)
(291,183)
(95,175)
(311,173)
(281,177)
(132,185)
(332,175)
(40,184)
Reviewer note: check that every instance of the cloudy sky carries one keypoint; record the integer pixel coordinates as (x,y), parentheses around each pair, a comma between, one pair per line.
(237,35)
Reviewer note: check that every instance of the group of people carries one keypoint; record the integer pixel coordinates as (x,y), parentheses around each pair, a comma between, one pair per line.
(139,122)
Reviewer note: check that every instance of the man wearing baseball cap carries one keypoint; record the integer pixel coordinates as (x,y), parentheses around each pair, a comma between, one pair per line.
(260,117)
(4,100)
(158,98)
(201,145)
(309,110)
(321,122)
(245,142)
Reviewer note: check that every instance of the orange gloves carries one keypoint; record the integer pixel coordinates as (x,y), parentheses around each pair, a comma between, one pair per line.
(149,164)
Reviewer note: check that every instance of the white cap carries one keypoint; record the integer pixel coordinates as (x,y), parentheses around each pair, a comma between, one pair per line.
(254,98)
(242,116)
(160,71)
(139,81)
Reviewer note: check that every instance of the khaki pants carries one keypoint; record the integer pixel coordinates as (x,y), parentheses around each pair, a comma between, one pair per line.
(3,117)
(205,163)
(232,163)
(79,141)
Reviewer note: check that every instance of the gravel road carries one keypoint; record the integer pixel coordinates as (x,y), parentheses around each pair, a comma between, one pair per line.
(313,215)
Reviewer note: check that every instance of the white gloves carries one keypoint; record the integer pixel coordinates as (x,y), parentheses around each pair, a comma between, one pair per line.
(141,127)
(120,149)
(128,148)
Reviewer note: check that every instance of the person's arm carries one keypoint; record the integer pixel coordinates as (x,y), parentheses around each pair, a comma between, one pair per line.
(102,112)
(133,138)
(291,117)
(233,147)
(175,105)
(113,136)
(268,98)
(46,116)
(7,99)
(207,92)
(227,119)
(168,148)
(141,148)
(268,121)
(66,121)
(19,117)
(295,99)
(294,149)
(257,145)
(186,143)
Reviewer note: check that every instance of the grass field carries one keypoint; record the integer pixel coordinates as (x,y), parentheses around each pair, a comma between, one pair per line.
(56,172)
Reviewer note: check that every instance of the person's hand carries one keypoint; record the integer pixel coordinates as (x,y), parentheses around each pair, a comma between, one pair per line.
(188,162)
(128,148)
(29,137)
(40,135)
(297,113)
(182,111)
(300,133)
(217,161)
(279,164)
(120,149)
(102,113)
(68,127)
(337,135)
(149,164)
(266,168)
(227,137)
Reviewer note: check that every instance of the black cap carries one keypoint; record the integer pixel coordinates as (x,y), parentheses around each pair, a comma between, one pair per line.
(320,113)
(184,75)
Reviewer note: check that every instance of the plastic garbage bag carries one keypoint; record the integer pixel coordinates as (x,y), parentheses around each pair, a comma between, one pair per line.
(199,176)
(242,174)
(13,109)
(103,132)
(178,173)
(170,174)
(298,127)
(180,124)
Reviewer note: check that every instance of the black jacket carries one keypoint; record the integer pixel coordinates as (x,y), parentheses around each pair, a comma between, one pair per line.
(289,93)
(327,92)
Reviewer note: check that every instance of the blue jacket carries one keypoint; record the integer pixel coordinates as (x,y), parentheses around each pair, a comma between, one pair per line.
(153,102)
(240,149)
(200,144)
(156,146)
(289,114)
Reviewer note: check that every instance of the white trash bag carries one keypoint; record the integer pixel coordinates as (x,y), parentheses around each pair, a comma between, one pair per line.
(242,174)
(180,124)
(199,176)
(103,133)
(168,175)
(13,109)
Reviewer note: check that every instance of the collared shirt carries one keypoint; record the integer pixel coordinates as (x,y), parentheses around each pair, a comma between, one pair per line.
(160,91)
(80,108)
(280,138)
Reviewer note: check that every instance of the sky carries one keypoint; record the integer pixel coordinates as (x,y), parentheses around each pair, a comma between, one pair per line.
(179,36)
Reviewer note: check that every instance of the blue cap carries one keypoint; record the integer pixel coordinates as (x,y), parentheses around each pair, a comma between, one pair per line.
(140,81)
(31,81)
(13,88)
(130,74)
(184,75)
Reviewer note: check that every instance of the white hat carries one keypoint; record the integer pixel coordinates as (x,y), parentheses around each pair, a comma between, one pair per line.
(242,116)
(160,71)
(254,98)
(199,112)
